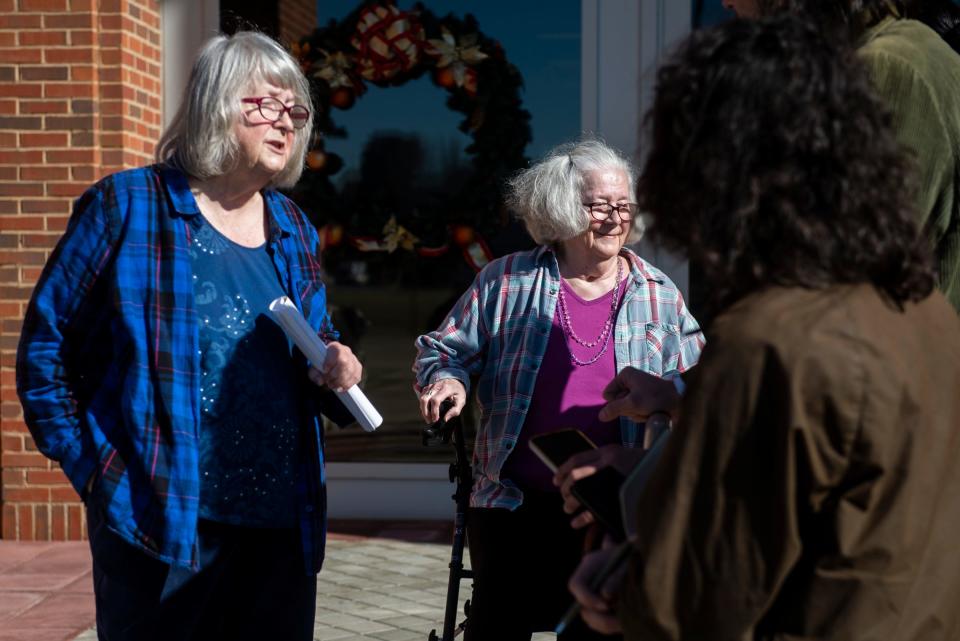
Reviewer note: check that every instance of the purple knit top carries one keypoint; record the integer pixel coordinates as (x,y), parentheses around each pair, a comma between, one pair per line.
(567,395)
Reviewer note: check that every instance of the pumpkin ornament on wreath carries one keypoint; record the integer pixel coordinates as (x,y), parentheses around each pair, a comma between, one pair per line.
(379,43)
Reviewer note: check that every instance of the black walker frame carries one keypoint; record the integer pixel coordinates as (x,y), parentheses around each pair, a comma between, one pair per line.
(444,432)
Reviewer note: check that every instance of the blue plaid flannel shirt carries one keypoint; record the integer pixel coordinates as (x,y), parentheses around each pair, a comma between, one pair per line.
(108,369)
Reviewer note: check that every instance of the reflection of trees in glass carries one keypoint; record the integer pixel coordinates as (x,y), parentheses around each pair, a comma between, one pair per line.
(379,44)
(400,170)
(404,178)
(390,168)
(395,179)
(386,183)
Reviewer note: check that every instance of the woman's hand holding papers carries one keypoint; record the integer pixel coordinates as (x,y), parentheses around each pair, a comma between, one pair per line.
(340,370)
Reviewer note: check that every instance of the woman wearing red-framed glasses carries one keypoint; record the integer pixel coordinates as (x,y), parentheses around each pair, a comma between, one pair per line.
(174,402)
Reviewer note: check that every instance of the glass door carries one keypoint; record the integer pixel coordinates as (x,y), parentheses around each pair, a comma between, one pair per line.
(425,113)
(428,110)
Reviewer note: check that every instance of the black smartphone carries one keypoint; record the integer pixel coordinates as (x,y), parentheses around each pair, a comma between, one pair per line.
(554,448)
(600,493)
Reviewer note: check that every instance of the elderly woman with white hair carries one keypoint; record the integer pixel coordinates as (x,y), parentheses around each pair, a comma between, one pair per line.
(545,331)
(152,371)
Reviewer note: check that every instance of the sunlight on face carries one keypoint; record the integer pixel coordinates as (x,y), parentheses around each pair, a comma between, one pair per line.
(265,146)
(603,239)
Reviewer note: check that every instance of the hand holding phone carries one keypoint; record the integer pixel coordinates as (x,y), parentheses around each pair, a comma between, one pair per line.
(599,492)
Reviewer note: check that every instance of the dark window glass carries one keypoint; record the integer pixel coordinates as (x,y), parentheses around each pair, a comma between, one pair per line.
(407,160)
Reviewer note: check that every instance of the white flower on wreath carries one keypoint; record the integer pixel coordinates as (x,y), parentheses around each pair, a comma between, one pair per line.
(457,56)
(334,69)
(398,236)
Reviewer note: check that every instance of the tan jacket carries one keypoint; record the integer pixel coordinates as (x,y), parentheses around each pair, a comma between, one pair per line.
(812,488)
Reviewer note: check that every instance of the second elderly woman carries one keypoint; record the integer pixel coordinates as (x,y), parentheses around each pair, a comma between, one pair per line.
(545,331)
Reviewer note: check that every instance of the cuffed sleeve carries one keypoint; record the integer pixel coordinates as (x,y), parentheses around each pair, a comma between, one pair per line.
(456,349)
(691,338)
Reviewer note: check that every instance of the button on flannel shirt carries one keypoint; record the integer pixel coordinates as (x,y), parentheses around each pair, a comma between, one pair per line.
(499,329)
(108,369)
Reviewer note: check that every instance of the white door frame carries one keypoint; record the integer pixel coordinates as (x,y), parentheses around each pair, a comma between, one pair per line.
(622,44)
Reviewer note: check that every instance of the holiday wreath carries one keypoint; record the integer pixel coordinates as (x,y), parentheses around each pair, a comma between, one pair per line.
(382,45)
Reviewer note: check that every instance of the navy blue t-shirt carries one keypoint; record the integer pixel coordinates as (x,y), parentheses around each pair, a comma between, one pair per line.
(249,434)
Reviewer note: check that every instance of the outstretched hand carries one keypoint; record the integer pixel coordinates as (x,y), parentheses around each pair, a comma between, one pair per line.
(636,395)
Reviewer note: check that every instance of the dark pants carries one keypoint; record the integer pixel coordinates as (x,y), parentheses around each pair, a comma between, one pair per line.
(251,585)
(522,561)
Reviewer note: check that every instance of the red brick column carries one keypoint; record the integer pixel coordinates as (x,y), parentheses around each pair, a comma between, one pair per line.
(80,97)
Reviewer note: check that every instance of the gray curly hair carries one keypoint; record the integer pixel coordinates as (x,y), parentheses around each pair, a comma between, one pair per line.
(547,195)
(200,139)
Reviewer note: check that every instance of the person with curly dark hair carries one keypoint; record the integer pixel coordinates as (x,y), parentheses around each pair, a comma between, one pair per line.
(809,488)
(847,19)
(917,75)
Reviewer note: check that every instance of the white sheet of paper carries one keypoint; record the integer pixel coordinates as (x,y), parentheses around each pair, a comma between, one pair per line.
(300,332)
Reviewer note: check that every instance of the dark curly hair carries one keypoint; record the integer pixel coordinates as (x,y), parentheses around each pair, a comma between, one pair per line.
(772,163)
(844,19)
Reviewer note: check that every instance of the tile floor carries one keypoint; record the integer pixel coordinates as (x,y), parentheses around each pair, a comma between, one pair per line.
(382,581)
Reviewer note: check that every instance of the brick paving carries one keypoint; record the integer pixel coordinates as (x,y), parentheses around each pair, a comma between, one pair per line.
(46,591)
(382,581)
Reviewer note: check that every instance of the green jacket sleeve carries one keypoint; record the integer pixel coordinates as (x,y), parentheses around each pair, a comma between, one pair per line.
(922,128)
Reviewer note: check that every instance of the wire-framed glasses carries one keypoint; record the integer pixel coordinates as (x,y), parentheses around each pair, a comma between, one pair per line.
(272,109)
(601,212)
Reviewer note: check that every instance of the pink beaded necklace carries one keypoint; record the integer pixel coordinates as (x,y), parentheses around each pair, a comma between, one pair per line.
(605,333)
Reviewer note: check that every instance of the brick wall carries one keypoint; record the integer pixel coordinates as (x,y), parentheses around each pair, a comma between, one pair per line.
(80,97)
(297,18)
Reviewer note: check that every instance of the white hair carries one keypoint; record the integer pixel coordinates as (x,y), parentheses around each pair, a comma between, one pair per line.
(547,196)
(200,139)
